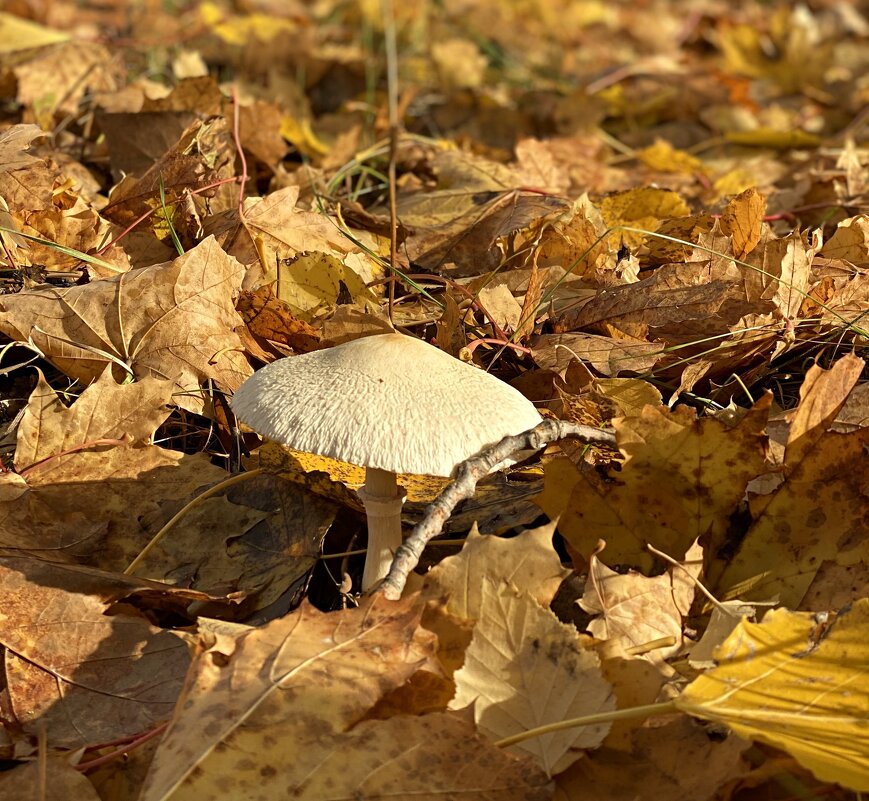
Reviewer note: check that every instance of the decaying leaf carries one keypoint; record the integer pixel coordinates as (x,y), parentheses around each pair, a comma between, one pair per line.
(681,479)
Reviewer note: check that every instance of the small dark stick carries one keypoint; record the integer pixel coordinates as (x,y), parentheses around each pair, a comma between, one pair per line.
(463,486)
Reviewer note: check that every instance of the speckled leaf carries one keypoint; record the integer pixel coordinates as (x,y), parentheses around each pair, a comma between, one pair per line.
(307,676)
(523,669)
(682,478)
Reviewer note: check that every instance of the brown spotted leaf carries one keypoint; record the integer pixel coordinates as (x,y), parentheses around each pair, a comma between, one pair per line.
(86,675)
(265,710)
(681,479)
(819,513)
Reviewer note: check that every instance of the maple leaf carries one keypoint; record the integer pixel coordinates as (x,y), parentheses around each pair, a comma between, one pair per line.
(185,333)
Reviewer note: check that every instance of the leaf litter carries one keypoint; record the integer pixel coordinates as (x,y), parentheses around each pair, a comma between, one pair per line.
(644,220)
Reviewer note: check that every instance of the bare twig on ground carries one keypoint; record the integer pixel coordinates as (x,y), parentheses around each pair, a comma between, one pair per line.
(463,486)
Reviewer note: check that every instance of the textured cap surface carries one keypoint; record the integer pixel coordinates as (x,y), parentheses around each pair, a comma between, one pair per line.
(389,401)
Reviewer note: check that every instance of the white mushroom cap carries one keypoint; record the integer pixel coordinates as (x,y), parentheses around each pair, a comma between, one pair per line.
(388,401)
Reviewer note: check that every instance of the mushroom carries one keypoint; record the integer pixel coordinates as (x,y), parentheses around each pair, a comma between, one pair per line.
(390,403)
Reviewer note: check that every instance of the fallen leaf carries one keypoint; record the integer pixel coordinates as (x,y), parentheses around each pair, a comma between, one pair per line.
(105,410)
(524,669)
(87,675)
(62,781)
(670,757)
(185,332)
(742,221)
(799,683)
(632,611)
(528,562)
(300,683)
(706,465)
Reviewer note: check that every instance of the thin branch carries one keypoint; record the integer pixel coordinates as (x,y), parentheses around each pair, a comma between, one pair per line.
(394,132)
(468,473)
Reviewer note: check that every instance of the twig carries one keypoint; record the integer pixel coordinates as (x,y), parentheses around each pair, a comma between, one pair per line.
(128,746)
(93,443)
(394,131)
(468,473)
(236,135)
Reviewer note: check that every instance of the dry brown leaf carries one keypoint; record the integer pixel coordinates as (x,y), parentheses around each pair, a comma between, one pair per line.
(270,319)
(259,540)
(782,273)
(850,242)
(470,241)
(275,228)
(62,782)
(203,155)
(672,758)
(633,612)
(87,507)
(528,562)
(650,303)
(293,669)
(822,395)
(72,70)
(87,675)
(608,356)
(269,710)
(105,410)
(185,332)
(537,168)
(574,242)
(742,221)
(524,669)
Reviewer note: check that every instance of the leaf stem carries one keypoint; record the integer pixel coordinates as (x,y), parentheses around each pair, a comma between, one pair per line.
(632,713)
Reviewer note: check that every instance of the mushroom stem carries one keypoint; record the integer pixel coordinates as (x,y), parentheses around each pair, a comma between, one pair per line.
(383,500)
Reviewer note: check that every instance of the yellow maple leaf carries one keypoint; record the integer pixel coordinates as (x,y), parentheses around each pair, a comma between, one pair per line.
(799,683)
(666,158)
(641,208)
